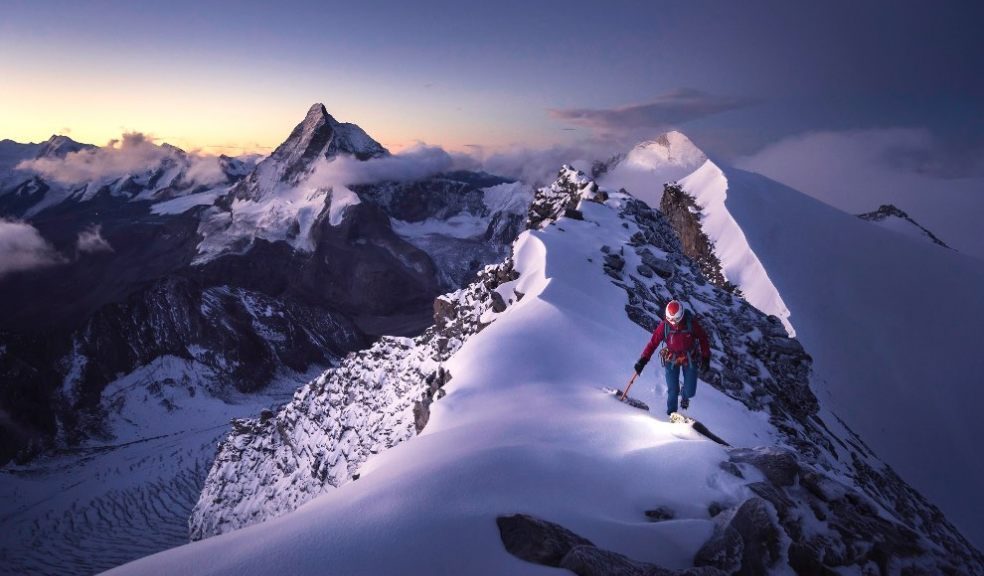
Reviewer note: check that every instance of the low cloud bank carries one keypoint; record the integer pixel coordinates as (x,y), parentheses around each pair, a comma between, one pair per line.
(529,165)
(134,153)
(414,164)
(665,111)
(23,248)
(91,241)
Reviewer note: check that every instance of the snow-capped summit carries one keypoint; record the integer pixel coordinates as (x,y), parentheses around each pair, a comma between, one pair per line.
(669,149)
(318,136)
(58,146)
(650,164)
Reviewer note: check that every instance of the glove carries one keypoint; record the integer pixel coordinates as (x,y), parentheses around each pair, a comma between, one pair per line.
(640,365)
(705,363)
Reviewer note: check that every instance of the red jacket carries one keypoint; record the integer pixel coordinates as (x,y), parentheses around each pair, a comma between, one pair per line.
(679,340)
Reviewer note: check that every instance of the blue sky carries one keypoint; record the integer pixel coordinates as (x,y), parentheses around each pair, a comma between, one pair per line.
(734,75)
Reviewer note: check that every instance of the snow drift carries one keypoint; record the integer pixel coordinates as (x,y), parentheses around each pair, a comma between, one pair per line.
(525,428)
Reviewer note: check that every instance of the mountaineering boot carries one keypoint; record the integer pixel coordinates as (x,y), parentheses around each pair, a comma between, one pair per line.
(684,403)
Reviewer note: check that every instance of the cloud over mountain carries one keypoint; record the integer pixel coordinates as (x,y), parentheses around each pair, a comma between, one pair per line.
(666,110)
(23,248)
(413,164)
(133,153)
(91,240)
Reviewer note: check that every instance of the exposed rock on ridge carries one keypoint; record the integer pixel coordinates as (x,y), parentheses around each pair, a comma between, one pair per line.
(758,364)
(886,211)
(685,215)
(374,400)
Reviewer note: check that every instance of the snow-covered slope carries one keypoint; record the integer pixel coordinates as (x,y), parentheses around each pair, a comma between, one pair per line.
(278,201)
(526,428)
(741,266)
(135,169)
(645,168)
(318,136)
(893,323)
(13,153)
(855,294)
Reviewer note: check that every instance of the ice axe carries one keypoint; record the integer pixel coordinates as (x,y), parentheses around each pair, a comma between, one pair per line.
(629,385)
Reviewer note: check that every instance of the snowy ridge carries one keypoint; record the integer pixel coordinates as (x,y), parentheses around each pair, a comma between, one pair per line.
(376,399)
(525,428)
(892,218)
(890,372)
(284,198)
(775,378)
(709,187)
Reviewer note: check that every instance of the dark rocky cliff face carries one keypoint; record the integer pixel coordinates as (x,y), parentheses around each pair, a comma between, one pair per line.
(375,399)
(684,215)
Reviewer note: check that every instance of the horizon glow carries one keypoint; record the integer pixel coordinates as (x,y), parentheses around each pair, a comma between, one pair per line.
(237,76)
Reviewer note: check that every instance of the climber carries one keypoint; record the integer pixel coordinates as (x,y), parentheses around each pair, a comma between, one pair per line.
(682,334)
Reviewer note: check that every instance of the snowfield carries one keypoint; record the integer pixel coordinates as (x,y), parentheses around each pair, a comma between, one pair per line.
(87,509)
(891,320)
(709,187)
(526,428)
(894,324)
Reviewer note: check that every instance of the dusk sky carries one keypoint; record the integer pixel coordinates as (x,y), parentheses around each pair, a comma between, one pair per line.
(735,76)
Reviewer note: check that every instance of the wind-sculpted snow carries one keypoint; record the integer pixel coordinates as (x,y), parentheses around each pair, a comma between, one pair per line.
(757,363)
(376,399)
(525,429)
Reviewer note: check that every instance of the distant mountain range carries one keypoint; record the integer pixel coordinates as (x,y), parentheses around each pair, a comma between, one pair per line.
(242,270)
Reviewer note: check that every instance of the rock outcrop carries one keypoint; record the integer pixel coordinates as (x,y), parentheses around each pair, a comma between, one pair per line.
(684,215)
(887,212)
(756,362)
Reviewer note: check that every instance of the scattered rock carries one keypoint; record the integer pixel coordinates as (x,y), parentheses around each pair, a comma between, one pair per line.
(779,466)
(660,513)
(536,540)
(549,544)
(748,544)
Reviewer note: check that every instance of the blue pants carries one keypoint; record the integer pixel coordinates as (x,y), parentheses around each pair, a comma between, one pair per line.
(673,384)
